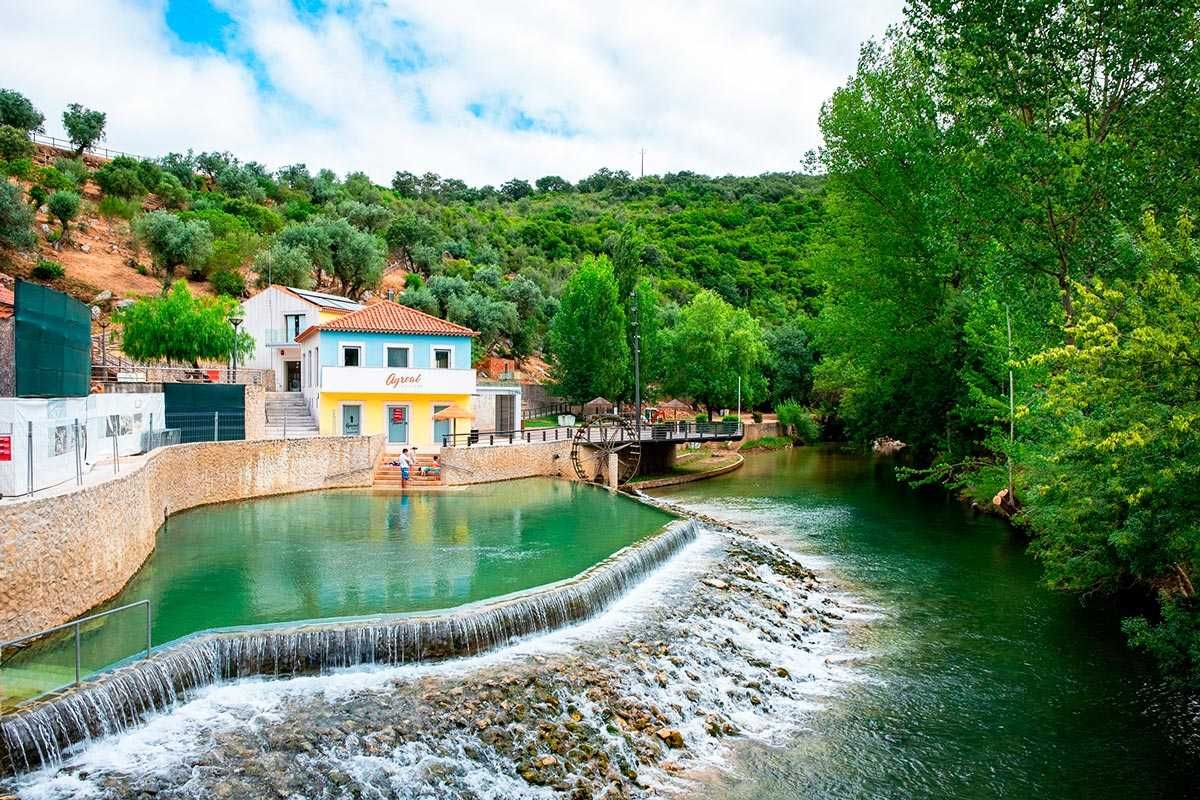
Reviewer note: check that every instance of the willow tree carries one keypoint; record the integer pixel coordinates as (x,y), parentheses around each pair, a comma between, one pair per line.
(182,328)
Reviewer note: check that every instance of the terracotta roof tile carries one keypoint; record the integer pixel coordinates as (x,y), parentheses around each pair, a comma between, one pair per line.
(389,317)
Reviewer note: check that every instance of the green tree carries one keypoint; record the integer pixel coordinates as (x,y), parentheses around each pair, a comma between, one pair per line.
(1112,485)
(789,363)
(170,190)
(16,218)
(710,348)
(515,189)
(63,206)
(284,265)
(357,258)
(121,177)
(588,345)
(14,144)
(84,126)
(172,242)
(181,328)
(16,111)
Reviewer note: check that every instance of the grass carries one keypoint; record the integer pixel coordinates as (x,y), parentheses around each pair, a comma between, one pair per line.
(697,461)
(116,207)
(767,443)
(546,421)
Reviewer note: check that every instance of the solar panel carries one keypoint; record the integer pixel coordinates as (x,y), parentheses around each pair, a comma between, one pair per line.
(327,300)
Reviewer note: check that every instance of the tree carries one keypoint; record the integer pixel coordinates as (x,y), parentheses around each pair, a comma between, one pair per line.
(405,184)
(239,181)
(182,328)
(515,189)
(213,164)
(710,348)
(182,166)
(358,258)
(368,217)
(1112,486)
(173,242)
(284,265)
(171,191)
(589,350)
(63,206)
(789,363)
(553,183)
(121,177)
(14,144)
(84,126)
(17,112)
(16,218)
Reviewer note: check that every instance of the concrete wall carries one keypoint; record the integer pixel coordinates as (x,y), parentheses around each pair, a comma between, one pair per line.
(256,412)
(462,465)
(62,555)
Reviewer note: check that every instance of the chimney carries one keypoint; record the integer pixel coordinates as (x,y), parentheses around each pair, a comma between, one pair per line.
(391,295)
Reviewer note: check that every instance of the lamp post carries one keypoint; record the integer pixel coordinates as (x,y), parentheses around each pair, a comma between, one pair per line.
(637,367)
(235,320)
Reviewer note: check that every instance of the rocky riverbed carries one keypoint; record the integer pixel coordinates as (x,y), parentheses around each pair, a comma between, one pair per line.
(733,638)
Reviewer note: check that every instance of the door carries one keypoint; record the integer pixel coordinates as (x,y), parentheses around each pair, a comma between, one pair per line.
(397,424)
(351,420)
(293,375)
(505,406)
(441,427)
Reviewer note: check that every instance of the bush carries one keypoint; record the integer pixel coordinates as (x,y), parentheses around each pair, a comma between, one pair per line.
(55,180)
(702,417)
(228,281)
(171,191)
(730,418)
(298,210)
(48,270)
(16,218)
(260,218)
(413,281)
(119,207)
(231,251)
(799,421)
(756,416)
(73,168)
(21,168)
(14,144)
(121,178)
(63,206)
(221,223)
(38,196)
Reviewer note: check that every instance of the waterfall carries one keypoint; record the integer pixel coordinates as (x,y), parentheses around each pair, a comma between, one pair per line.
(117,700)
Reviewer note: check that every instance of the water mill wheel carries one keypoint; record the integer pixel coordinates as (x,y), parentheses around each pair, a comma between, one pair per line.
(596,440)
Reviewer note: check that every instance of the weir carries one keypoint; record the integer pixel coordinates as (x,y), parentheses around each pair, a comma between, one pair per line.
(115,701)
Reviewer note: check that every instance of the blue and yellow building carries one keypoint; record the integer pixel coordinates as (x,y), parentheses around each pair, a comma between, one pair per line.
(388,369)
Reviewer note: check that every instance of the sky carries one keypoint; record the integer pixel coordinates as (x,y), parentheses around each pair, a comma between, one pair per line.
(481,91)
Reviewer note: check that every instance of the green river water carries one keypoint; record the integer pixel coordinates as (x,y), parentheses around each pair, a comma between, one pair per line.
(980,683)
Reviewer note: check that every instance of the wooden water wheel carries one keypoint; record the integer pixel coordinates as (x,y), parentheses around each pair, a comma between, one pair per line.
(596,440)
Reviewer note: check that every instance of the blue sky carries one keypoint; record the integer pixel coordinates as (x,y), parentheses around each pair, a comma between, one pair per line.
(482,91)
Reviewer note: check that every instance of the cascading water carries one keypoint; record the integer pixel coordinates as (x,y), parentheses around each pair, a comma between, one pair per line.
(120,699)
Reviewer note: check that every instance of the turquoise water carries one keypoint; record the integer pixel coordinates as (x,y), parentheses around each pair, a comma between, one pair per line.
(981,683)
(348,553)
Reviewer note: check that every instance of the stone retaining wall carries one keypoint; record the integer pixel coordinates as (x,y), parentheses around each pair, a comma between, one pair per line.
(62,555)
(674,480)
(465,465)
(255,412)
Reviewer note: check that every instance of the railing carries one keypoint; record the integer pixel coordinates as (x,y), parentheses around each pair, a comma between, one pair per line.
(145,373)
(33,669)
(546,409)
(65,144)
(208,426)
(656,432)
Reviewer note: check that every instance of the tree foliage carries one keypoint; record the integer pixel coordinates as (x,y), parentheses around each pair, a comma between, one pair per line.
(18,112)
(181,328)
(14,144)
(63,205)
(709,349)
(588,336)
(16,218)
(174,242)
(84,126)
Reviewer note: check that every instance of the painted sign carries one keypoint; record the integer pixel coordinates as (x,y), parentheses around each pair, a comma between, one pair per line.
(393,380)
(398,413)
(131,377)
(5,448)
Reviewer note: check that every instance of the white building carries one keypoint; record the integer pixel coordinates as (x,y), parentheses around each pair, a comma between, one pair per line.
(276,316)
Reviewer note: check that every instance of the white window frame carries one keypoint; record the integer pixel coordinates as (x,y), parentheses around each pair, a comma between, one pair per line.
(362,353)
(433,348)
(387,351)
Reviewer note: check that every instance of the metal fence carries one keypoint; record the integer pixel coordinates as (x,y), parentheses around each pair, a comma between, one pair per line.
(50,660)
(66,146)
(204,426)
(656,432)
(144,373)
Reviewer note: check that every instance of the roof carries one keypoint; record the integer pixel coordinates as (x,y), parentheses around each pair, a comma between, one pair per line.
(332,302)
(389,317)
(7,300)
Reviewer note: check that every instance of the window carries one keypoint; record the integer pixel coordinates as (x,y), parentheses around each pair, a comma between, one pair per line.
(351,356)
(292,325)
(397,357)
(441,358)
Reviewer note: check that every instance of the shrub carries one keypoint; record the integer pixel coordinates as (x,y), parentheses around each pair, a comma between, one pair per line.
(173,242)
(119,207)
(16,218)
(221,223)
(298,210)
(20,168)
(171,191)
(149,174)
(260,218)
(228,281)
(63,206)
(38,196)
(730,418)
(48,270)
(73,168)
(121,178)
(14,144)
(413,281)
(56,180)
(756,416)
(799,421)
(240,182)
(231,251)
(702,417)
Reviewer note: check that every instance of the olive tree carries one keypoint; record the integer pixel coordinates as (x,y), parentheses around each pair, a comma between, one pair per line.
(173,242)
(84,126)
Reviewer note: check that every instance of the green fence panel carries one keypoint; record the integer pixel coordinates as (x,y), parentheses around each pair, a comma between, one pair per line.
(53,334)
(191,407)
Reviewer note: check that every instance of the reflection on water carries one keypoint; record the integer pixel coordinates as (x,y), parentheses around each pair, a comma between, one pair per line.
(985,684)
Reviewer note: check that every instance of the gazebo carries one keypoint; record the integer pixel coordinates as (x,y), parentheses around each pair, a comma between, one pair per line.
(675,409)
(598,405)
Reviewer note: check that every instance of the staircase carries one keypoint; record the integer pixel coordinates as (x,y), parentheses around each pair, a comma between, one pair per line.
(388,477)
(287,412)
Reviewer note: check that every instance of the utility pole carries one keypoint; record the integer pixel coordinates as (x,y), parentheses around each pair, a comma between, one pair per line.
(637,366)
(643,162)
(1011,406)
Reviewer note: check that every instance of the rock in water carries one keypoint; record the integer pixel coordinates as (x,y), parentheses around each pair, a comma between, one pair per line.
(671,736)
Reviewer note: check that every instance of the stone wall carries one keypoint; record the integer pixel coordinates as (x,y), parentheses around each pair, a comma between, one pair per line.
(463,465)
(62,555)
(256,412)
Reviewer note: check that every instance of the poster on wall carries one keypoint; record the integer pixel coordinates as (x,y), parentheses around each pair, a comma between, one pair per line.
(61,440)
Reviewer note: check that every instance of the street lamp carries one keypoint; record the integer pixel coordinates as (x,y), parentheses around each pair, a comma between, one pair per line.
(235,320)
(637,367)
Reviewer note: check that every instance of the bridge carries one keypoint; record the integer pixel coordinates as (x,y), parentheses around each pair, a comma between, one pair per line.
(650,433)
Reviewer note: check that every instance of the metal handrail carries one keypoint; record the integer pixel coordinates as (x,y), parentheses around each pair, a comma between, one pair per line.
(68,146)
(77,624)
(654,432)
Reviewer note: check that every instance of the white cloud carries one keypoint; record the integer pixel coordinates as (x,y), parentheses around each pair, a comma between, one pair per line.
(712,87)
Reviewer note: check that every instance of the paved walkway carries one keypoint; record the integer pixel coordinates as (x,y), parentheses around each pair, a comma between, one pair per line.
(94,475)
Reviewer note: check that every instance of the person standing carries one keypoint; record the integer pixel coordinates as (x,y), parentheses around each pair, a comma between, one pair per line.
(405,468)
